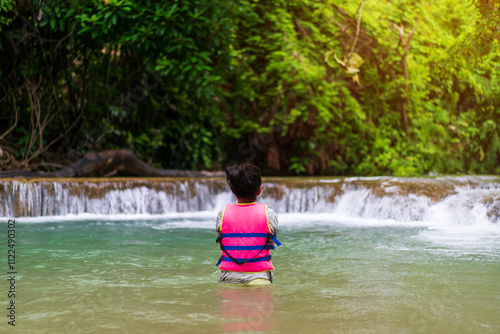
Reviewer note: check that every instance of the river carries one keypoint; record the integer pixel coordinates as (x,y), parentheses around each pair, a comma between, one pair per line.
(358,255)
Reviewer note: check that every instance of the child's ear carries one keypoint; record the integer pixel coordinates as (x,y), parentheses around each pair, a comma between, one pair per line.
(260,190)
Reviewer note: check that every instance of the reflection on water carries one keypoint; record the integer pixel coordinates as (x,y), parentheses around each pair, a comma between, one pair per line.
(246,308)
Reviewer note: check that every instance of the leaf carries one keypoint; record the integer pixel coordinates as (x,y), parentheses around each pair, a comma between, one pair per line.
(339,61)
(355,61)
(355,78)
(84,29)
(329,60)
(52,23)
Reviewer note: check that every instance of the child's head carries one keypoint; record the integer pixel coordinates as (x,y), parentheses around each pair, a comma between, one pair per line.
(244,180)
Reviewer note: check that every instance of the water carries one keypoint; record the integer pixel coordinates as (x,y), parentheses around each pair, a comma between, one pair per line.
(363,258)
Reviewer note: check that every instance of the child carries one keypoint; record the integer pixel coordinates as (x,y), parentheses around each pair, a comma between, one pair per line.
(246,231)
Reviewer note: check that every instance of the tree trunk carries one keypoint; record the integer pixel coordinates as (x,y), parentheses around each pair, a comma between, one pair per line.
(110,163)
(406,44)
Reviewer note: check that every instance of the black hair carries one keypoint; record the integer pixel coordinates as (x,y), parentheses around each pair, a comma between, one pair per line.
(244,180)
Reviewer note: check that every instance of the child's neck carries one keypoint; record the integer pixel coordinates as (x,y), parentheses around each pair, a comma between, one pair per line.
(244,200)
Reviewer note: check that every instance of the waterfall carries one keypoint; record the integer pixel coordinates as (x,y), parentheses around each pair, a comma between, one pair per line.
(451,200)
(35,198)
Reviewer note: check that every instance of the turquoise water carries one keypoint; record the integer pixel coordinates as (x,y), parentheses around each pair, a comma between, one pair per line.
(332,275)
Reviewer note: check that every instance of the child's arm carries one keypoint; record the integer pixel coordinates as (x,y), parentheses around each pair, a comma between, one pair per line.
(218,222)
(273,222)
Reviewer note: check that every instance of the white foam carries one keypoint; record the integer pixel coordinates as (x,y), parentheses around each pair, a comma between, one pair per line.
(466,211)
(117,217)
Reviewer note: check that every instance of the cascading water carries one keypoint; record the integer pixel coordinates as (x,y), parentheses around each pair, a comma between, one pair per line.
(106,197)
(446,200)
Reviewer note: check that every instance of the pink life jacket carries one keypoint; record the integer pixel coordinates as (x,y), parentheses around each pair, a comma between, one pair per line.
(245,238)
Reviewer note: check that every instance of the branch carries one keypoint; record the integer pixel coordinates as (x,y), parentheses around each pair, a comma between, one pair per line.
(401,31)
(15,110)
(46,147)
(69,34)
(49,164)
(410,35)
(358,25)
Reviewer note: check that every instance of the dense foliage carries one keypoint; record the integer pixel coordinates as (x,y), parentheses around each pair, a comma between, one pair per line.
(394,87)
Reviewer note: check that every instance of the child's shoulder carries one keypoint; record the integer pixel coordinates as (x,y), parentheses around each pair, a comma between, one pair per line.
(270,210)
(271,214)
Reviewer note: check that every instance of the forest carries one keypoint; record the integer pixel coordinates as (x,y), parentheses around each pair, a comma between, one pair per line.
(297,87)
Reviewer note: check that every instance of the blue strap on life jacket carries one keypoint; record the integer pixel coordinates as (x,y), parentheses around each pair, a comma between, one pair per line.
(258,247)
(268,236)
(251,235)
(273,238)
(257,259)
